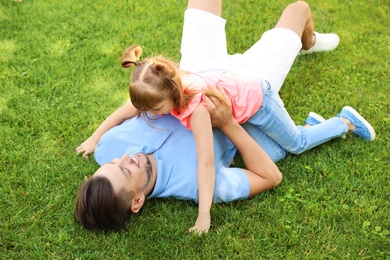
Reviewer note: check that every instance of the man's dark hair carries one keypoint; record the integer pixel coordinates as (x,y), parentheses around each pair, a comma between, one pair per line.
(98,207)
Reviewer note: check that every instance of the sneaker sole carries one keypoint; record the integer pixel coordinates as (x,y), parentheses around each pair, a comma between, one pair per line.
(317,117)
(364,121)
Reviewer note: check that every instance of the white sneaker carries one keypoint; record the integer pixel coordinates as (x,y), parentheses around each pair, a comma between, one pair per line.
(324,42)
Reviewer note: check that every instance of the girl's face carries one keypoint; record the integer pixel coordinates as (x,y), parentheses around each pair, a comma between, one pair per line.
(162,108)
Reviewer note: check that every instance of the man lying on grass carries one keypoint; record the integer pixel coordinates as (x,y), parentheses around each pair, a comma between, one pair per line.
(139,161)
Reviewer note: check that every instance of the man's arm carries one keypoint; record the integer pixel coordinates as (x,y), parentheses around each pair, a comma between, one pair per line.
(262,172)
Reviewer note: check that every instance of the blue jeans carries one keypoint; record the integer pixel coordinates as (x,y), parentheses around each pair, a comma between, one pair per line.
(275,122)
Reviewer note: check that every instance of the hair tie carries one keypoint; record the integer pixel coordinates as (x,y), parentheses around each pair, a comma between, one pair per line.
(136,63)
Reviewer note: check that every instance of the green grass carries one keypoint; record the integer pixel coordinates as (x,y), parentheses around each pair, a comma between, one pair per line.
(60,77)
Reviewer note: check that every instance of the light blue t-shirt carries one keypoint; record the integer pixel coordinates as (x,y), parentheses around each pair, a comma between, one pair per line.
(174,148)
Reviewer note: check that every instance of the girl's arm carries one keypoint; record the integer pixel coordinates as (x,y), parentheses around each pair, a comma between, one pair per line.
(202,130)
(125,112)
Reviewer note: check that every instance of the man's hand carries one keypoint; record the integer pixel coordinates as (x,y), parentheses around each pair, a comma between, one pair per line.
(220,114)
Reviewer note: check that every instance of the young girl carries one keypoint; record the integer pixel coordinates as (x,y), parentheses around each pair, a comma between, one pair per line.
(159,87)
(251,81)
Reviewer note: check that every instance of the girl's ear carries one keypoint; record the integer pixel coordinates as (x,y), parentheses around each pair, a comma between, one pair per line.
(137,203)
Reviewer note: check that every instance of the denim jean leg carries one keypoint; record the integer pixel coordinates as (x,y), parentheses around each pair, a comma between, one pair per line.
(273,119)
(324,132)
(274,150)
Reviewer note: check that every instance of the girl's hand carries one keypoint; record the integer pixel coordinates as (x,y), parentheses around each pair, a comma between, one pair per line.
(87,147)
(202,224)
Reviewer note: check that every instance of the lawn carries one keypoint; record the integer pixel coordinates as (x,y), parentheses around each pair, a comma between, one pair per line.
(60,77)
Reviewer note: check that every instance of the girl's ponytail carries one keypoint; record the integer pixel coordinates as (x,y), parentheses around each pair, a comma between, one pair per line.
(153,80)
(131,56)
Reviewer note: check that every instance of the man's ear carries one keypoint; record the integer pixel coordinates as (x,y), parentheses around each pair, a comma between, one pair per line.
(137,203)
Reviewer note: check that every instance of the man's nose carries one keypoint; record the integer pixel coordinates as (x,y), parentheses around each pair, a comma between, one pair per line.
(123,159)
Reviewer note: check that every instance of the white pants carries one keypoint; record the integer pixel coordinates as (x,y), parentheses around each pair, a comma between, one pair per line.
(204,50)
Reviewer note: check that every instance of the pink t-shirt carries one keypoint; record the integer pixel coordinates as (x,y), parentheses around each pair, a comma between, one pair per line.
(246,94)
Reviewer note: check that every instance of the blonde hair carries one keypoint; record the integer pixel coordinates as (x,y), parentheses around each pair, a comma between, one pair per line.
(157,79)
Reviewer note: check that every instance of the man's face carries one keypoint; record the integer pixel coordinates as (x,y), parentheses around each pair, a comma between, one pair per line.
(133,173)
